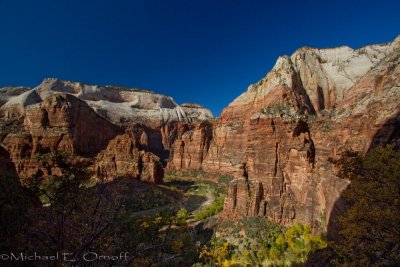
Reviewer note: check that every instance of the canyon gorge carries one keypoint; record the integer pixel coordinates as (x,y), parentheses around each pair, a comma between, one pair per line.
(277,139)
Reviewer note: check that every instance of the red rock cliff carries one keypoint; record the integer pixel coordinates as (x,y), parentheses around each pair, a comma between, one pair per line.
(284,129)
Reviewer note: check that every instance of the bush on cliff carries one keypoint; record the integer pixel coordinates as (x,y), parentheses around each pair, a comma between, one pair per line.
(370,227)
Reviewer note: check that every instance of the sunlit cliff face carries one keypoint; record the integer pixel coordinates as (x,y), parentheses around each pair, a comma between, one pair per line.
(286,128)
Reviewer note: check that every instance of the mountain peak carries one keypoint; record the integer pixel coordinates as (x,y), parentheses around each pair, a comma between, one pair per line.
(320,75)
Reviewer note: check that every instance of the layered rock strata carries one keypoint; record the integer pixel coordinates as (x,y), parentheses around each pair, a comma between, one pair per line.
(286,128)
(122,157)
(126,132)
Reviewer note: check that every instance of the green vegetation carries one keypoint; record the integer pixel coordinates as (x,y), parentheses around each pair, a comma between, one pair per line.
(11,126)
(370,225)
(311,118)
(121,88)
(257,242)
(325,127)
(181,216)
(224,179)
(288,112)
(210,210)
(198,180)
(157,225)
(283,110)
(201,184)
(162,238)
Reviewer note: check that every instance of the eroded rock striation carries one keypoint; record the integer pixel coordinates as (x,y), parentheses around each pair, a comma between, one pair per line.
(119,105)
(122,157)
(125,132)
(285,129)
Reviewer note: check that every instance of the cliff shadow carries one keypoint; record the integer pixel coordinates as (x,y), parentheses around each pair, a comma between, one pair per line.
(183,185)
(388,134)
(194,201)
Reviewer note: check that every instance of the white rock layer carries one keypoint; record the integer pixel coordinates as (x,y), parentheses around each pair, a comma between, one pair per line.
(119,105)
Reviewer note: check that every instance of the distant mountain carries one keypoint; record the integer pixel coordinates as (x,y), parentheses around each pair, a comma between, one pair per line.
(117,104)
(127,131)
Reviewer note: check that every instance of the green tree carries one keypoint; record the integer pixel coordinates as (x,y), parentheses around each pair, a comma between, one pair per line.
(181,216)
(219,252)
(301,242)
(370,227)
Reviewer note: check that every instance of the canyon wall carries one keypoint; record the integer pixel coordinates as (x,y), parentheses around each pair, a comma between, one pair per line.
(278,137)
(122,131)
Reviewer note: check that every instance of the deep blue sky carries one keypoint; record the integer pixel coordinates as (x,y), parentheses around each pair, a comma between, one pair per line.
(202,51)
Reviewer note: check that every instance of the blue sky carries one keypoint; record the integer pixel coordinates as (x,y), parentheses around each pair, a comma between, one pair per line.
(201,51)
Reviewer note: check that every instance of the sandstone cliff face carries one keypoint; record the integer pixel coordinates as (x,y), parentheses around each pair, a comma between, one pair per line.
(309,108)
(122,158)
(191,147)
(76,118)
(70,123)
(60,123)
(321,76)
(276,138)
(80,119)
(118,105)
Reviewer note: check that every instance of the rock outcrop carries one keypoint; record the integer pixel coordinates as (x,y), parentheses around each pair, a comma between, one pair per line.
(310,107)
(8,92)
(117,104)
(60,123)
(191,147)
(127,132)
(122,157)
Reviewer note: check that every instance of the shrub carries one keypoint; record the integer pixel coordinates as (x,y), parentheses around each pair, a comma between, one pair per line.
(182,216)
(266,243)
(11,126)
(210,210)
(225,179)
(370,224)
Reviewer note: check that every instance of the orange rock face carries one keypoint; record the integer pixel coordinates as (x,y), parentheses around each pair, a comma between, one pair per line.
(61,123)
(90,121)
(286,128)
(276,139)
(191,147)
(122,157)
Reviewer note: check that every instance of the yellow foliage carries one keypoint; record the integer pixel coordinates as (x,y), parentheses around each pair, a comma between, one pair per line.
(144,225)
(176,246)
